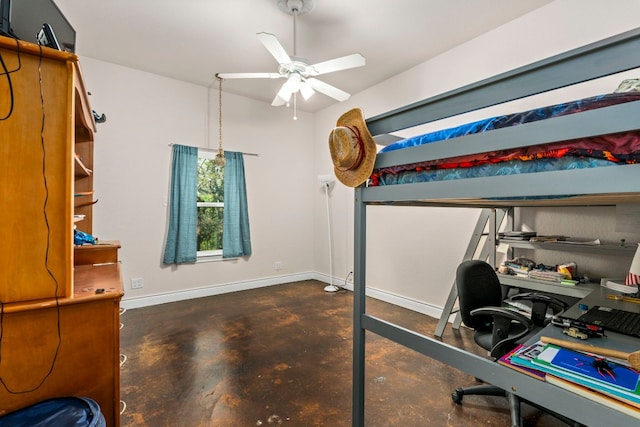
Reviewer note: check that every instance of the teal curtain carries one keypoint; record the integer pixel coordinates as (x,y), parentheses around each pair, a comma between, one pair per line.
(181,244)
(236,239)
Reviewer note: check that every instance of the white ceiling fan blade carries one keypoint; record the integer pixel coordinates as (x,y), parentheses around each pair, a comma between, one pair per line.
(274,47)
(337,64)
(249,75)
(328,90)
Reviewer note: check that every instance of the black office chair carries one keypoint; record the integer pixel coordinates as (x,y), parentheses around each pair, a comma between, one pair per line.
(496,329)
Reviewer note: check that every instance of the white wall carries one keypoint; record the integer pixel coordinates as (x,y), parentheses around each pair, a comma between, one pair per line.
(411,247)
(145,113)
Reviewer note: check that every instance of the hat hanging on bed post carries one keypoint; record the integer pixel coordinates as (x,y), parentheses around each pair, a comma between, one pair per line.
(220,159)
(352,148)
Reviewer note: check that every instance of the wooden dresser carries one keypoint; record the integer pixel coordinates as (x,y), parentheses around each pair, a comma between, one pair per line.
(60,305)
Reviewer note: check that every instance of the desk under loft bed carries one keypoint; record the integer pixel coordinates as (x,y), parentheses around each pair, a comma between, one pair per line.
(589,185)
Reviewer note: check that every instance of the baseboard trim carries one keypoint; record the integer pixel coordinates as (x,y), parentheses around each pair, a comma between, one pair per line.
(207,291)
(404,302)
(390,297)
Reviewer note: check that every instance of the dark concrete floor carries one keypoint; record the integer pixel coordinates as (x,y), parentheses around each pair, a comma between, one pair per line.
(282,355)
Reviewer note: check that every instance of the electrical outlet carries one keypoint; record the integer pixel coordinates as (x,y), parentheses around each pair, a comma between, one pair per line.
(137,283)
(277,265)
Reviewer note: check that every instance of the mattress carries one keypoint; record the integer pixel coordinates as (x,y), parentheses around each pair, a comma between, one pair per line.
(598,151)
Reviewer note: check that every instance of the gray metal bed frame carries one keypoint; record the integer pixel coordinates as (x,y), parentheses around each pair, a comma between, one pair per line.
(596,186)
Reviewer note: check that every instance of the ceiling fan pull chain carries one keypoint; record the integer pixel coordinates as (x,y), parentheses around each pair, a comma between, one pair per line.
(220,160)
(295,106)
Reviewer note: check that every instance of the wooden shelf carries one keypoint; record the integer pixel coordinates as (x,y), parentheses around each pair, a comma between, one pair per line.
(100,253)
(80,169)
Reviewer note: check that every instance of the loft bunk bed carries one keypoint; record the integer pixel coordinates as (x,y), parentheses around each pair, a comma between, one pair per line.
(611,177)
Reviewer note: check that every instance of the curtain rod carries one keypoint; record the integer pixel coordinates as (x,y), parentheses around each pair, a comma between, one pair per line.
(216,150)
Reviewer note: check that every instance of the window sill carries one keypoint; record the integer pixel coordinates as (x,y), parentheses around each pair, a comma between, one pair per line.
(212,258)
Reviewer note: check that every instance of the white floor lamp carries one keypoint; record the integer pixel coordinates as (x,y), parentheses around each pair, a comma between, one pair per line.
(326,181)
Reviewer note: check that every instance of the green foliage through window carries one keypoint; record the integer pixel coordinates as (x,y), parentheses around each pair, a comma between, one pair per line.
(210,205)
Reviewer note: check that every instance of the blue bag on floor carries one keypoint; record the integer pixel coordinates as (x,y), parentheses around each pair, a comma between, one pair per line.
(59,412)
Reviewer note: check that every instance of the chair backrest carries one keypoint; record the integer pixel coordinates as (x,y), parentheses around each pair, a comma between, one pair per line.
(478,286)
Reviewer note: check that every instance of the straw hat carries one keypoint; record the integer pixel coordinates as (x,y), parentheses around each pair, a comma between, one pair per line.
(353,150)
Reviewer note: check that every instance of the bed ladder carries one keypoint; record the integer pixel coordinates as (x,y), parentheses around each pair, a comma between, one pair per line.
(491,217)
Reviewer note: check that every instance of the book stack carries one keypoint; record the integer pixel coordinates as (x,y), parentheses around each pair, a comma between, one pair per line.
(520,359)
(517,269)
(516,235)
(610,382)
(547,275)
(545,239)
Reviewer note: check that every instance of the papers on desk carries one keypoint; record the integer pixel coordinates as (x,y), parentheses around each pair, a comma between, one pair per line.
(520,359)
(618,285)
(601,373)
(601,377)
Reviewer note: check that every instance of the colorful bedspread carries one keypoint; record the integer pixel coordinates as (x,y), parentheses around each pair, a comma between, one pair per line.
(606,150)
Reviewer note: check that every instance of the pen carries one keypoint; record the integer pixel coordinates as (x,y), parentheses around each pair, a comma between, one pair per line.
(623,298)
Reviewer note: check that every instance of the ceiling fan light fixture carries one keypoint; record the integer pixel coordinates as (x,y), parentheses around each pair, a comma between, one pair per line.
(294,82)
(285,92)
(306,91)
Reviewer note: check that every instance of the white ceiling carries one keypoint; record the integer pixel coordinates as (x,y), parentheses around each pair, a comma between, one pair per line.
(192,40)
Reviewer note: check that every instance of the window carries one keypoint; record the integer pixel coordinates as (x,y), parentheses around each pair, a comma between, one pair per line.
(210,205)
(199,229)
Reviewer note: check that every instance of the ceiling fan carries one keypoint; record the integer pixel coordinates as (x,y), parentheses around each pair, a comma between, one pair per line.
(299,73)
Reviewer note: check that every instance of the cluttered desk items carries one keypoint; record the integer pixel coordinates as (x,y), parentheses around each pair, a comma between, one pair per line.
(603,375)
(565,274)
(595,362)
(591,370)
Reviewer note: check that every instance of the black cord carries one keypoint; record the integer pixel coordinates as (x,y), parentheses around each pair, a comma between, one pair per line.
(7,73)
(346,279)
(47,249)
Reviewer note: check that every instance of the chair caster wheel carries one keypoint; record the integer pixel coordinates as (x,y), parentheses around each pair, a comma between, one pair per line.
(457,395)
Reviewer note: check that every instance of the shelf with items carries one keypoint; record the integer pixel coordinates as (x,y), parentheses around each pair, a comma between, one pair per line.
(84,130)
(585,250)
(577,247)
(577,291)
